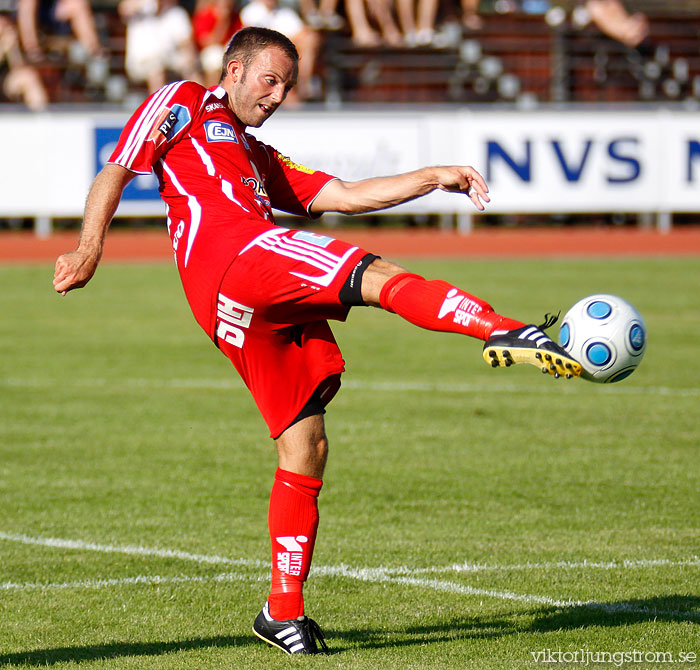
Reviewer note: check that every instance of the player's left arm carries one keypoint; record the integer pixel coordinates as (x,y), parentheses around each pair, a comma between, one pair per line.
(370,195)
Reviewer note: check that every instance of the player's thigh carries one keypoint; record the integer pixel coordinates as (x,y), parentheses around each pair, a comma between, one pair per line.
(293,276)
(284,367)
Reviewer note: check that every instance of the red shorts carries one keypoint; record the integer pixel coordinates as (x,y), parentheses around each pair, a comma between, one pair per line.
(272,314)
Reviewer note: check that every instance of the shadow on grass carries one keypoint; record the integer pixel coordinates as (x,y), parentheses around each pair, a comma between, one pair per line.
(98,652)
(670,608)
(659,608)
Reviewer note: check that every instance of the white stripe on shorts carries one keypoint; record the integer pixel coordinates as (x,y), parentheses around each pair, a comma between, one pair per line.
(316,257)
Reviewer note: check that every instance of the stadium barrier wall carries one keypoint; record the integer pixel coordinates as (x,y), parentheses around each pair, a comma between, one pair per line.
(568,161)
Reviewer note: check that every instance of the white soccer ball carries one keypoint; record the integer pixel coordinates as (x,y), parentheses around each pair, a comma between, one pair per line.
(606,335)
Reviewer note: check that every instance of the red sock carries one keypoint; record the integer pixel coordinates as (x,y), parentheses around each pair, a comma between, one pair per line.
(293,521)
(436,305)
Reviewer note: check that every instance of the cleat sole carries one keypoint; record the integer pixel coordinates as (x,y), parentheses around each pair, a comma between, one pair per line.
(558,366)
(272,644)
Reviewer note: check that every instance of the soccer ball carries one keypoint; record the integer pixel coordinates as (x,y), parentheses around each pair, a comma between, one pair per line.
(606,335)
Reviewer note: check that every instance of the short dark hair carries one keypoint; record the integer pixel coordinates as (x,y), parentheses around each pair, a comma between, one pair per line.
(248,42)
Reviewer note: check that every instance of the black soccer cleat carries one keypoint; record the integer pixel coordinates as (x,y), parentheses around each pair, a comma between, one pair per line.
(294,636)
(530,344)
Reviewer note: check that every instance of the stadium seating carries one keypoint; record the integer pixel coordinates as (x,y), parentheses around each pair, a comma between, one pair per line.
(521,58)
(516,57)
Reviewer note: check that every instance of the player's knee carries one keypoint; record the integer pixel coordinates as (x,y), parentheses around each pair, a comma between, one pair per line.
(303,447)
(376,275)
(305,458)
(319,450)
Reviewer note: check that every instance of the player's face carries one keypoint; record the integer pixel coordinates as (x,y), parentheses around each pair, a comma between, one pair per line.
(256,91)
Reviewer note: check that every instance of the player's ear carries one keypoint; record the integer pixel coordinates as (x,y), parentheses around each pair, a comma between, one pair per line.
(234,69)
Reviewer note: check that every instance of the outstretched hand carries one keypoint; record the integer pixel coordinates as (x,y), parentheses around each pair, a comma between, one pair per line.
(74,270)
(464,179)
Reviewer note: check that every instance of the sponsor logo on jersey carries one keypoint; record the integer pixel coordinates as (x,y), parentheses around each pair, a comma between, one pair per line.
(285,160)
(257,186)
(463,308)
(220,132)
(176,118)
(169,123)
(214,105)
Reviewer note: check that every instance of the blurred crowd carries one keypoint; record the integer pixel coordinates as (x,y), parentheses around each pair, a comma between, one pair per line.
(166,40)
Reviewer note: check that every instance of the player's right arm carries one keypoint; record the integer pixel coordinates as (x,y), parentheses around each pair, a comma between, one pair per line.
(159,122)
(75,269)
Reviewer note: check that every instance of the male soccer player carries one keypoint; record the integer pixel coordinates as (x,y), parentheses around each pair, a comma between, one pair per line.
(264,293)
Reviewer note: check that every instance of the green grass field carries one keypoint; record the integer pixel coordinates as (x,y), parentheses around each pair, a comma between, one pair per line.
(471,518)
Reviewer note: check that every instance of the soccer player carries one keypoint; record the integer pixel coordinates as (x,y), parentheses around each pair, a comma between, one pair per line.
(264,293)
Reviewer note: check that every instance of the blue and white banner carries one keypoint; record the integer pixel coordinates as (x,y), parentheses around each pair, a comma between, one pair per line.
(574,160)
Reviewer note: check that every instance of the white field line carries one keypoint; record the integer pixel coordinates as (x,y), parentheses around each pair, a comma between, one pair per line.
(342,569)
(553,565)
(376,575)
(515,388)
(356,385)
(132,550)
(364,575)
(149,580)
(609,608)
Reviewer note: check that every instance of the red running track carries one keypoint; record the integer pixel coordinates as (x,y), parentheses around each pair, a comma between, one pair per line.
(153,245)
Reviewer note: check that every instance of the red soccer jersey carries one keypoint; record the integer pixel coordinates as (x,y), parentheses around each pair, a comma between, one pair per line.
(219,183)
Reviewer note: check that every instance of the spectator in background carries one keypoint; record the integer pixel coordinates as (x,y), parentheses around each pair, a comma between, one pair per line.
(470,15)
(612,19)
(321,16)
(417,20)
(268,14)
(362,31)
(158,42)
(76,13)
(214,23)
(22,81)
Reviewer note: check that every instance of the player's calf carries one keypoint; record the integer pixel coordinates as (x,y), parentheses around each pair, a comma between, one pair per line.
(438,305)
